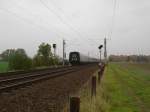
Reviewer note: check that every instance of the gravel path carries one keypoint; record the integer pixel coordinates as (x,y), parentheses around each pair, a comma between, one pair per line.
(47,95)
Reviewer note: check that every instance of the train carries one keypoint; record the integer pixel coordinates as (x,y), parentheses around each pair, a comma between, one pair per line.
(76,58)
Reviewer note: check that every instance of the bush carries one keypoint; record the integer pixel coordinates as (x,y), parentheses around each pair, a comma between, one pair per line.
(38,61)
(19,61)
(44,56)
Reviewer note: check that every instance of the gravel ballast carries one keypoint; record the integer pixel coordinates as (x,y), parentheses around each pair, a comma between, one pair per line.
(46,96)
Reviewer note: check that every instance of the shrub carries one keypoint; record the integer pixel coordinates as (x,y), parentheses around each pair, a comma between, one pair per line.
(19,61)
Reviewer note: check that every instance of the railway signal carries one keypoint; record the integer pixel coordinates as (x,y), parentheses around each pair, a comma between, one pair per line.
(54,47)
(100,47)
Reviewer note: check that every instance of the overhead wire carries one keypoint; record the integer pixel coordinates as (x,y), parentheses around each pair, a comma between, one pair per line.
(51,10)
(113,19)
(49,23)
(33,23)
(19,17)
(75,30)
(115,4)
(38,16)
(60,10)
(29,22)
(64,22)
(59,17)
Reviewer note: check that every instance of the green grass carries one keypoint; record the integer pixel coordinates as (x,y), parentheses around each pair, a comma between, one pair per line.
(124,88)
(3,66)
(95,104)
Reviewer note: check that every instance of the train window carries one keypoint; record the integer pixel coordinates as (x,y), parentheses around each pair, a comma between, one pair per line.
(74,57)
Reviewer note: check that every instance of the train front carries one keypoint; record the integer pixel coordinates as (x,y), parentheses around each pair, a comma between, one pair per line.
(74,58)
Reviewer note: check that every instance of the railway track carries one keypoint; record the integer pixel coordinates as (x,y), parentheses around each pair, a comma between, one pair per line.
(17,81)
(28,72)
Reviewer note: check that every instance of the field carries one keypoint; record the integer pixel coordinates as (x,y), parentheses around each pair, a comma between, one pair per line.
(3,66)
(124,88)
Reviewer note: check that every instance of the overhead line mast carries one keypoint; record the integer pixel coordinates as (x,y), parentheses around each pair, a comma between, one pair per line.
(64,52)
(105,49)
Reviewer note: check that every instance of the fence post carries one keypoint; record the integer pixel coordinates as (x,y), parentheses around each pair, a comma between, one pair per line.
(102,69)
(99,76)
(93,89)
(74,104)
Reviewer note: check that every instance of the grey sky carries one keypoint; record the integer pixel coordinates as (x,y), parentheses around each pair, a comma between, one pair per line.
(82,23)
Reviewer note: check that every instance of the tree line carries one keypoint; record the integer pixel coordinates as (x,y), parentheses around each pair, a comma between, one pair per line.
(130,58)
(19,60)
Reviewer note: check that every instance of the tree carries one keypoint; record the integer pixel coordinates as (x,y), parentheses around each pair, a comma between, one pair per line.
(19,60)
(44,56)
(21,51)
(7,54)
(55,60)
(44,52)
(38,61)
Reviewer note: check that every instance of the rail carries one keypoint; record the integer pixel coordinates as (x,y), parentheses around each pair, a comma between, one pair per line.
(18,81)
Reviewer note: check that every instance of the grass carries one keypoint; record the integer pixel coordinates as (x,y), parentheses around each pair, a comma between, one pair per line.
(124,88)
(95,104)
(3,66)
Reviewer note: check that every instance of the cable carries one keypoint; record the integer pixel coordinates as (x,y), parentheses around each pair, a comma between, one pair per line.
(64,22)
(92,42)
(59,17)
(27,20)
(38,16)
(113,19)
(60,10)
(41,19)
(31,22)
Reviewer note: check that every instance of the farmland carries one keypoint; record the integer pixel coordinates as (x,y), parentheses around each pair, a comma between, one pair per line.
(128,86)
(3,66)
(125,87)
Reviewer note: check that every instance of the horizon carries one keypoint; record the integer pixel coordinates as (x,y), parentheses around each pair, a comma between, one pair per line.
(27,23)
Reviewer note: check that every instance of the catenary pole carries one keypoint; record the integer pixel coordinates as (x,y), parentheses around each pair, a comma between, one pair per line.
(105,49)
(64,52)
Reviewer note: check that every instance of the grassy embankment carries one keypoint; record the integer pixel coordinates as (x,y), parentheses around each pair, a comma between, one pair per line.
(3,66)
(124,88)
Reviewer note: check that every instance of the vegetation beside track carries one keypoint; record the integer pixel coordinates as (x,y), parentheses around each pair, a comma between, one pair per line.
(19,60)
(125,87)
(3,66)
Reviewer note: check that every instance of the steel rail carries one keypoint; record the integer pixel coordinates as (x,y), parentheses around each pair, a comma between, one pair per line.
(13,83)
(20,77)
(26,72)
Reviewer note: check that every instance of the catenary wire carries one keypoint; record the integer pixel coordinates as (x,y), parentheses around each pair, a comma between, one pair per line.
(30,22)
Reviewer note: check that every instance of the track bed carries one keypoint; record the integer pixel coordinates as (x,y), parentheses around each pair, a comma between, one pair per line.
(46,96)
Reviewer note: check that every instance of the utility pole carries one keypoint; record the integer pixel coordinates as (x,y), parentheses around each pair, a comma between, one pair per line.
(64,54)
(105,50)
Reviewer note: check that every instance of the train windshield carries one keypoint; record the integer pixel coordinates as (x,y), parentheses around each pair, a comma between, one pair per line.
(74,57)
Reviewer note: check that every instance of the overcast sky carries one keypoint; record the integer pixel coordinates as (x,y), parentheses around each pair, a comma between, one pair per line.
(82,23)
